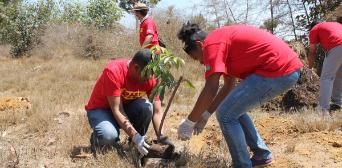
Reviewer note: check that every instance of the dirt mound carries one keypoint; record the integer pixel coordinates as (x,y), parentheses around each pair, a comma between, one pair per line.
(14,103)
(303,95)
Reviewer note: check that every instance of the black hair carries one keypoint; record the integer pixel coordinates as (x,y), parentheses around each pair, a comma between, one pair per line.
(142,57)
(339,19)
(143,12)
(313,24)
(189,34)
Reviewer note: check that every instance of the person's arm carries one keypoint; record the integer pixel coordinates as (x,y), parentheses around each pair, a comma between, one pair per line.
(229,84)
(148,40)
(206,97)
(312,55)
(157,116)
(119,115)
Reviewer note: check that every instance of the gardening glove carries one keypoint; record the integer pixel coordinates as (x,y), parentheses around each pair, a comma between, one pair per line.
(165,141)
(141,144)
(185,129)
(199,126)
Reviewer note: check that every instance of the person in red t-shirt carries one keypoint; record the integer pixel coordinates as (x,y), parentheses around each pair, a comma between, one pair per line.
(267,66)
(329,35)
(118,101)
(148,29)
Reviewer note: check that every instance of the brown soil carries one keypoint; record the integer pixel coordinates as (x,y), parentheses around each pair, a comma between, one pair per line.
(14,103)
(161,151)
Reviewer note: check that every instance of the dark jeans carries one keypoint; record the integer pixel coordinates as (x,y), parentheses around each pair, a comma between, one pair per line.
(107,130)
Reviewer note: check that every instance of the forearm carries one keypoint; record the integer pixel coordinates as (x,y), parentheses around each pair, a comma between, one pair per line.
(205,99)
(148,40)
(118,113)
(312,56)
(124,123)
(156,123)
(311,59)
(157,117)
(224,91)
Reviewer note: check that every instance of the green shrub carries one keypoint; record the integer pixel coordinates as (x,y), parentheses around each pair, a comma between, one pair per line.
(24,24)
(8,13)
(73,12)
(103,13)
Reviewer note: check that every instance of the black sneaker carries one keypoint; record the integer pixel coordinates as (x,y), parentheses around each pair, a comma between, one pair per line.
(334,107)
(258,162)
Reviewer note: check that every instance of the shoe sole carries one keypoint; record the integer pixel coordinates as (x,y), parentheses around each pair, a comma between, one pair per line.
(264,165)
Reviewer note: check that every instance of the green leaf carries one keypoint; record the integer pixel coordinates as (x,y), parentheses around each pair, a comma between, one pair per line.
(188,84)
(153,93)
(149,73)
(161,92)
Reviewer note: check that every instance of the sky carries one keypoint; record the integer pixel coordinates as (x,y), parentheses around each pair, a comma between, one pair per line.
(129,21)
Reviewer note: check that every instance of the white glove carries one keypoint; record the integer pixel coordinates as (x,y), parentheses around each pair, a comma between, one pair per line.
(185,129)
(199,126)
(141,144)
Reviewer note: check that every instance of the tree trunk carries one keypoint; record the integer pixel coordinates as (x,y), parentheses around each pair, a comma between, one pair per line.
(272,19)
(306,13)
(247,9)
(216,12)
(293,23)
(226,5)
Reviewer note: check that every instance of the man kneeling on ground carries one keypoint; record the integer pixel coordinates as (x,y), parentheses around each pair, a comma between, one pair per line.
(118,101)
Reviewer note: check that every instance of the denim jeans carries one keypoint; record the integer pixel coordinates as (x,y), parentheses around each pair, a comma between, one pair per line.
(331,79)
(237,127)
(106,128)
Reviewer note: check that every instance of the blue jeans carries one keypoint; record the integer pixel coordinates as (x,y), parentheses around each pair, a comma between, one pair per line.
(237,127)
(106,128)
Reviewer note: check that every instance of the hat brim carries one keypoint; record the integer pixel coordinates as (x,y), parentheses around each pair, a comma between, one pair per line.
(137,9)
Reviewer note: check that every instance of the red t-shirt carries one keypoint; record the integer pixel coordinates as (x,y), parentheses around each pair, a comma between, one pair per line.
(114,81)
(241,50)
(329,34)
(148,27)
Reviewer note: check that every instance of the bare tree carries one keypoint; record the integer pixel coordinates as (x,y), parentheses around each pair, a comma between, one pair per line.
(306,12)
(272,18)
(214,4)
(226,5)
(247,9)
(292,20)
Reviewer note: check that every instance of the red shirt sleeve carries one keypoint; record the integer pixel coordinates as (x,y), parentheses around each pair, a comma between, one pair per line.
(215,56)
(313,36)
(111,84)
(150,29)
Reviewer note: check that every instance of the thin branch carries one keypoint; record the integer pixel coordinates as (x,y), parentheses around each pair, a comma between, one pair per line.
(168,106)
(293,23)
(247,9)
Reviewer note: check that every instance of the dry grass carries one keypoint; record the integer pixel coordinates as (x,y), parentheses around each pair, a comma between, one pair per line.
(4,51)
(310,121)
(79,41)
